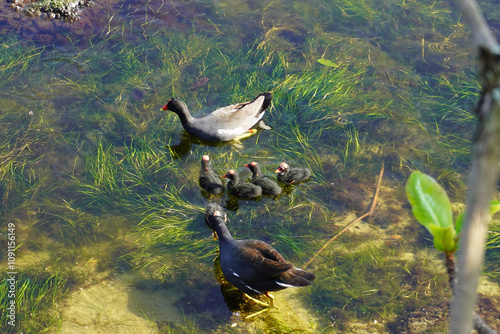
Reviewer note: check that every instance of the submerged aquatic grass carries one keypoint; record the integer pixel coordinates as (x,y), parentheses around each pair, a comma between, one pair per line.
(125,176)
(373,282)
(493,251)
(127,202)
(15,59)
(36,299)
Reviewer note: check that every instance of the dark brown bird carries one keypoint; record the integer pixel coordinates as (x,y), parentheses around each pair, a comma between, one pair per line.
(292,175)
(269,187)
(209,179)
(241,189)
(253,266)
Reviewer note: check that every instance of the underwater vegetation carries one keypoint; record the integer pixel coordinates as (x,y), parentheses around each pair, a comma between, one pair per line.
(102,185)
(492,250)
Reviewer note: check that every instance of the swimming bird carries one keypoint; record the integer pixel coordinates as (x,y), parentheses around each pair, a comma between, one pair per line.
(225,123)
(253,266)
(241,189)
(209,179)
(269,187)
(292,175)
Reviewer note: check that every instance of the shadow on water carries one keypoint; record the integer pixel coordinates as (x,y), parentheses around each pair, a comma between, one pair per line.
(171,304)
(183,148)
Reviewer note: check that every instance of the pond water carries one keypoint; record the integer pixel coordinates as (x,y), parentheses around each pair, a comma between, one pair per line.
(100,186)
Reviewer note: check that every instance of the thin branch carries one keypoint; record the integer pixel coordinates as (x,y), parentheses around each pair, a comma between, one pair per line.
(369,213)
(481,33)
(483,175)
(478,323)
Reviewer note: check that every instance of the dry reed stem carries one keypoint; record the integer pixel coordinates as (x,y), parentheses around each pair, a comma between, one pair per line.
(369,213)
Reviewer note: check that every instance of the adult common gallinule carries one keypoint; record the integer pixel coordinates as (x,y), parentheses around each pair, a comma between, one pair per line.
(287,174)
(209,180)
(225,123)
(253,266)
(269,187)
(241,189)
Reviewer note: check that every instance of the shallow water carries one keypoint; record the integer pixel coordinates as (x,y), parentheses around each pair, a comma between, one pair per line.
(101,185)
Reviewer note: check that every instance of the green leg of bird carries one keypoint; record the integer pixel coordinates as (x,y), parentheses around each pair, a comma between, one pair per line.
(271,300)
(258,301)
(268,306)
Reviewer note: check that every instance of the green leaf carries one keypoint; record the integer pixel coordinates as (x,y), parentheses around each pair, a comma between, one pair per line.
(431,207)
(444,238)
(429,201)
(327,62)
(494,208)
(459,222)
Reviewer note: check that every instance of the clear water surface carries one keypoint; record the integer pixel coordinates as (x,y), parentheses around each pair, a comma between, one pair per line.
(101,185)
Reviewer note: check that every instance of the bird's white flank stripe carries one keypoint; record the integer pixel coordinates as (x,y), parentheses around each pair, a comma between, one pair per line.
(256,291)
(285,285)
(235,131)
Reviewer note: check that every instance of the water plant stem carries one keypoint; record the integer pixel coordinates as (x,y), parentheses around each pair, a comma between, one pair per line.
(369,213)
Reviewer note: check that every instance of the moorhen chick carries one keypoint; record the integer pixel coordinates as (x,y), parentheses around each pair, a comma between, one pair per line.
(269,187)
(253,266)
(241,189)
(225,123)
(287,174)
(209,179)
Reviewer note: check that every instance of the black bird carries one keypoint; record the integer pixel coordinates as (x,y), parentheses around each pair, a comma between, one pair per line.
(209,179)
(269,187)
(241,189)
(253,266)
(225,123)
(292,175)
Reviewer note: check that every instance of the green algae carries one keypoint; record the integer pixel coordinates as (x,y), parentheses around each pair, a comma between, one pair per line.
(37,294)
(98,179)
